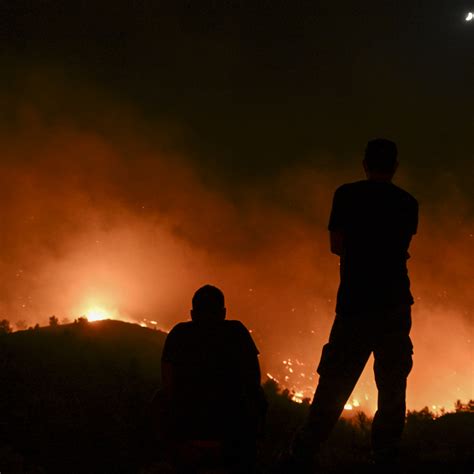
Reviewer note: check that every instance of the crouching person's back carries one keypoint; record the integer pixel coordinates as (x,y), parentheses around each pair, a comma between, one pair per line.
(211,383)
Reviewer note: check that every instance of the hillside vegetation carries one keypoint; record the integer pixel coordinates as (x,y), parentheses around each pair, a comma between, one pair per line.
(76,398)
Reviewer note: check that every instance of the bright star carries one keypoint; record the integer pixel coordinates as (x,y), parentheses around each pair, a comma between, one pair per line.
(470,16)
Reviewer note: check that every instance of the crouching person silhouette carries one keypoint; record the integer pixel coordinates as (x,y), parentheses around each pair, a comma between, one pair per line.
(211,386)
(371,225)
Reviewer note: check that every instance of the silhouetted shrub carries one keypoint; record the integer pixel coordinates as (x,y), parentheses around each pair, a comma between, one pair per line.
(53,321)
(5,327)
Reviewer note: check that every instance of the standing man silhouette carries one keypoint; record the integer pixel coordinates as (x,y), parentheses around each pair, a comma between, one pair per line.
(371,226)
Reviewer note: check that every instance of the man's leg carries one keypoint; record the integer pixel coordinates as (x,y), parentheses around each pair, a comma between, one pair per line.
(342,362)
(393,362)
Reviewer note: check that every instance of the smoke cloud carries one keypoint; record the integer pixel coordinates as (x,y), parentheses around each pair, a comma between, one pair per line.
(107,208)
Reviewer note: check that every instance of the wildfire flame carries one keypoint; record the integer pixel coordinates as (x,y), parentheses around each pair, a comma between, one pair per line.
(350,406)
(96,314)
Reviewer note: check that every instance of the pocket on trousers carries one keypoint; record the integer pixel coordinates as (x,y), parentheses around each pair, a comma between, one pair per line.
(400,359)
(407,357)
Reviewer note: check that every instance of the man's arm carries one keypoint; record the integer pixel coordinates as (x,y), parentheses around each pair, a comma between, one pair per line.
(253,372)
(252,380)
(336,238)
(168,360)
(338,221)
(412,225)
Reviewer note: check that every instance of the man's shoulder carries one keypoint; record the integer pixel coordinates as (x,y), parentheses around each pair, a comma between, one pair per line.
(405,195)
(181,328)
(239,332)
(364,186)
(235,326)
(175,342)
(228,325)
(351,187)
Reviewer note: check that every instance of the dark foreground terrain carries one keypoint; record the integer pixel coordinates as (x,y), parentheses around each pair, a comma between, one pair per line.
(76,399)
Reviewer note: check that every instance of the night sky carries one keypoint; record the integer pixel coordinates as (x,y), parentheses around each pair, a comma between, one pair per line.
(150,147)
(258,86)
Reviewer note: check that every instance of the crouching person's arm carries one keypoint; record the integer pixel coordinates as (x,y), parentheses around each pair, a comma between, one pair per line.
(165,398)
(261,401)
(252,379)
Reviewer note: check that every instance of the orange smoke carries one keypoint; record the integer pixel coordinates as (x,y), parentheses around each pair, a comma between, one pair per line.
(114,218)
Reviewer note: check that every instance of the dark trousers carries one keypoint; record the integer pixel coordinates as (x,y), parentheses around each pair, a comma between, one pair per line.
(353,338)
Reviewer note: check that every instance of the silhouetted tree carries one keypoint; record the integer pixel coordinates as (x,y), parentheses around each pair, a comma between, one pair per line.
(21,325)
(423,415)
(271,387)
(53,321)
(464,407)
(5,327)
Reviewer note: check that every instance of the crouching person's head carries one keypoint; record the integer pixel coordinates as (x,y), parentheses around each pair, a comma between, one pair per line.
(208,305)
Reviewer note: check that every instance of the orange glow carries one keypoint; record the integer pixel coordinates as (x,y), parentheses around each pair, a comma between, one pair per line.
(352,404)
(96,314)
(131,242)
(298,397)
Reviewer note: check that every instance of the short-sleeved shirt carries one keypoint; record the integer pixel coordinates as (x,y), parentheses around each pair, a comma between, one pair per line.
(377,220)
(215,369)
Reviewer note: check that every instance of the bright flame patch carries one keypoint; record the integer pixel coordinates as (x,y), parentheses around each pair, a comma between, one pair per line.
(96,314)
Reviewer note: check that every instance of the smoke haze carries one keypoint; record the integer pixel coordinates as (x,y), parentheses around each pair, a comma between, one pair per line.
(106,208)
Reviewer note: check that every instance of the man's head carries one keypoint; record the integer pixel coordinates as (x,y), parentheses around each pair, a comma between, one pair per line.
(208,304)
(380,161)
